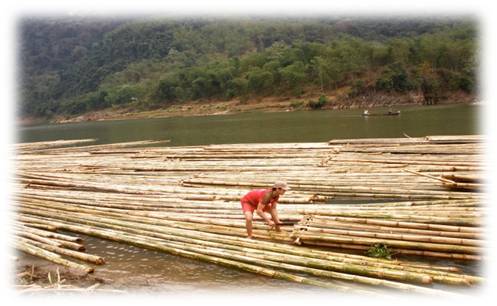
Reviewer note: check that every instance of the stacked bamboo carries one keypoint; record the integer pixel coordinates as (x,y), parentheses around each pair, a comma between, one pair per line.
(41,239)
(185,201)
(429,237)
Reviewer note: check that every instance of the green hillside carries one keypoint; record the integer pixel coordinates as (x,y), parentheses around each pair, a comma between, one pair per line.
(77,65)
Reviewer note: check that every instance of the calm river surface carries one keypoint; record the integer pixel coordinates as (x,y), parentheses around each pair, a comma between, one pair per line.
(135,268)
(300,126)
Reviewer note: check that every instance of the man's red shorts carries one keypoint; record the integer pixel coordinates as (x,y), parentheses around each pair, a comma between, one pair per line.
(246,206)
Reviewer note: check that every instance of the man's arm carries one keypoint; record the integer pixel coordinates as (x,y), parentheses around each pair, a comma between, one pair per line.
(261,213)
(274,215)
(260,209)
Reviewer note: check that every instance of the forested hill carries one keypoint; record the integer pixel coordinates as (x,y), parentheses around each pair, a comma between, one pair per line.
(76,65)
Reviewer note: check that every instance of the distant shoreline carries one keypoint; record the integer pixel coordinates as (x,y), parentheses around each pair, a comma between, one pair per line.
(269,104)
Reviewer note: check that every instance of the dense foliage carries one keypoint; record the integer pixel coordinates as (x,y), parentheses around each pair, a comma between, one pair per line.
(76,65)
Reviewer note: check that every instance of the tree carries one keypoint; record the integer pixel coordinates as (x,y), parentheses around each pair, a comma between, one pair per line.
(259,80)
(293,76)
(68,64)
(97,100)
(394,78)
(166,90)
(318,66)
(399,51)
(238,87)
(429,83)
(120,95)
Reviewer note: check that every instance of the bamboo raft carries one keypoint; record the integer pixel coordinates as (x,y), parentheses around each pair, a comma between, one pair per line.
(345,195)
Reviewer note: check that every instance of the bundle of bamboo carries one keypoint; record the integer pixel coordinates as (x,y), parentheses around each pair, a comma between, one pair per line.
(423,238)
(185,201)
(47,244)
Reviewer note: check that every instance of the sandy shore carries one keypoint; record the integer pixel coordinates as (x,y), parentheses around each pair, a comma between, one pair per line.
(270,104)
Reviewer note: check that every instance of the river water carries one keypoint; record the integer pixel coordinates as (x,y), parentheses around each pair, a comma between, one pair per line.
(299,126)
(138,269)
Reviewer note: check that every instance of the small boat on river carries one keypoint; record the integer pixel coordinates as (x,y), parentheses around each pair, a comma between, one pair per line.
(366,113)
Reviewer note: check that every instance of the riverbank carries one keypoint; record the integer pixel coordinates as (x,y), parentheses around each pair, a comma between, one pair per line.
(31,278)
(334,101)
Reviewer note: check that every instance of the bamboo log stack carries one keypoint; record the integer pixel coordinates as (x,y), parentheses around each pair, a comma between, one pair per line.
(185,201)
(410,238)
(46,243)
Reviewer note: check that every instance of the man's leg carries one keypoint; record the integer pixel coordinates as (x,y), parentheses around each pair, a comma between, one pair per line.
(248,223)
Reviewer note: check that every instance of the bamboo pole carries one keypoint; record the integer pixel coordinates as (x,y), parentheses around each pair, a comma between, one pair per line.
(405,237)
(394,243)
(159,232)
(184,193)
(390,229)
(441,255)
(77,255)
(36,251)
(142,241)
(47,234)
